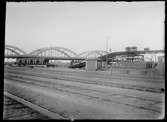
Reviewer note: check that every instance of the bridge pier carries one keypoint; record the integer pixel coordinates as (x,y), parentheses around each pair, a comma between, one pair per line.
(46,61)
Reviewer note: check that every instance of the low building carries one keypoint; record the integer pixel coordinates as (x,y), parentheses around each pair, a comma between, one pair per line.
(91,64)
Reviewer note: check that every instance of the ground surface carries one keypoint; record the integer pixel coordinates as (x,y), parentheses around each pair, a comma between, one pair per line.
(14,110)
(76,94)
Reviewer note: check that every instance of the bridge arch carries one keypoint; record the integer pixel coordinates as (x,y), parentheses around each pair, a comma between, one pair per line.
(12,50)
(54,51)
(92,54)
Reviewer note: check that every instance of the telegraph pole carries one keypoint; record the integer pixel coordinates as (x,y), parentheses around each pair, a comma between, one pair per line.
(107,53)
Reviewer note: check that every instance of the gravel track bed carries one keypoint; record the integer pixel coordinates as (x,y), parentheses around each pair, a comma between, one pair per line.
(150,87)
(13,110)
(99,74)
(62,91)
(81,91)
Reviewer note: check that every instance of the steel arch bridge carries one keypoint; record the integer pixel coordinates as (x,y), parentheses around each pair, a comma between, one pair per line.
(54,52)
(92,54)
(12,50)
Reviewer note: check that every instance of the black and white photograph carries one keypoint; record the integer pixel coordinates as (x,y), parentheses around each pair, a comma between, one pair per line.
(84,60)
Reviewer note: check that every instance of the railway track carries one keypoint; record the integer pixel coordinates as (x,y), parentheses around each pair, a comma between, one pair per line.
(105,75)
(89,90)
(149,86)
(79,91)
(16,108)
(49,81)
(131,104)
(63,86)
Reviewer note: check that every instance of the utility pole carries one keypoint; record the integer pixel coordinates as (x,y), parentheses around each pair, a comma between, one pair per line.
(107,52)
(107,45)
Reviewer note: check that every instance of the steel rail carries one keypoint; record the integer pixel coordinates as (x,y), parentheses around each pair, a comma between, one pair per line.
(24,77)
(119,85)
(87,95)
(98,75)
(41,110)
(82,75)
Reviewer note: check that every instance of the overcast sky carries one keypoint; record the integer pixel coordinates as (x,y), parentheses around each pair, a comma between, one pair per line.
(82,26)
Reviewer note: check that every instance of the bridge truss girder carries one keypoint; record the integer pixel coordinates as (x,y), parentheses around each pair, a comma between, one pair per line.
(14,50)
(64,51)
(96,53)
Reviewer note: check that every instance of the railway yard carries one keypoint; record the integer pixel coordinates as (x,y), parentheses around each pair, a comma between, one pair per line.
(62,93)
(83,61)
